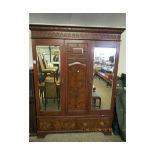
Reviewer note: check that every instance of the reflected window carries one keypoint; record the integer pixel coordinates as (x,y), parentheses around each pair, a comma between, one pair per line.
(103,71)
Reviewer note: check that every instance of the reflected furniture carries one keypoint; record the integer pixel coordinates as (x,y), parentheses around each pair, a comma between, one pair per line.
(76,46)
(50,92)
(96,97)
(105,75)
(47,71)
(54,69)
(49,89)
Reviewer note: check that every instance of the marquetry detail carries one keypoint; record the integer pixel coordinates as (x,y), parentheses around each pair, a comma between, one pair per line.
(77,86)
(44,125)
(93,124)
(81,124)
(57,124)
(98,129)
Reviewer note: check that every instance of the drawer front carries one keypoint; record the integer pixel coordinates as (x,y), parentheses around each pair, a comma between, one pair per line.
(77,50)
(56,124)
(94,124)
(74,124)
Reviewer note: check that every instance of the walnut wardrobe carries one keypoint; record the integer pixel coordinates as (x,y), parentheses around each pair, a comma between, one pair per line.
(75,73)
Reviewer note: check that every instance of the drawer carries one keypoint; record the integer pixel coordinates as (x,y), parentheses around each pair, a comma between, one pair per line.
(56,124)
(71,46)
(93,124)
(74,124)
(77,50)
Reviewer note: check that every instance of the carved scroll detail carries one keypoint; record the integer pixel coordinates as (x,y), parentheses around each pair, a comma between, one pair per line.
(77,63)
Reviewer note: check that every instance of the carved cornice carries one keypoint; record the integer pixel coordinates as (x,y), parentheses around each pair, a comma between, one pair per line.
(75,29)
(66,32)
(74,35)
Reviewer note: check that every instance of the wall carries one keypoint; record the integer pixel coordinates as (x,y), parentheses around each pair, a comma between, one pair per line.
(86,19)
(122,55)
(80,19)
(30,52)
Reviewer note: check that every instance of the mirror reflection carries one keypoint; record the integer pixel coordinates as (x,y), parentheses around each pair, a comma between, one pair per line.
(103,71)
(48,63)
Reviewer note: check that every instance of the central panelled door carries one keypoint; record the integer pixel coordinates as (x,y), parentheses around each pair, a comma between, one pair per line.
(77,77)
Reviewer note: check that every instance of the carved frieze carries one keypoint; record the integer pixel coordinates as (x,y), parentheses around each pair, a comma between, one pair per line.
(75,35)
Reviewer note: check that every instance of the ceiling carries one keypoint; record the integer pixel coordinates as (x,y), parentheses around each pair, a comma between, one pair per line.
(117,20)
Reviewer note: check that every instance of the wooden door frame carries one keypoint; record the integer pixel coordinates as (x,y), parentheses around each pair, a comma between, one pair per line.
(45,42)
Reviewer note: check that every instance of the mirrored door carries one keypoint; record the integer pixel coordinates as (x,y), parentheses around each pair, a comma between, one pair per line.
(48,70)
(103,74)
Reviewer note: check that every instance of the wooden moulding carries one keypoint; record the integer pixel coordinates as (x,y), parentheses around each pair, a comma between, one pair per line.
(72,32)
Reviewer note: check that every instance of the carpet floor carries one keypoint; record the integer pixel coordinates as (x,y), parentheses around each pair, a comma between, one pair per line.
(77,137)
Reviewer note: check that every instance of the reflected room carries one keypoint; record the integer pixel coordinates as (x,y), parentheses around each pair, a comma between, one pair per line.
(48,63)
(103,72)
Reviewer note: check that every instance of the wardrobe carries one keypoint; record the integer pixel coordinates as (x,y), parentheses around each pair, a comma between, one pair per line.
(64,75)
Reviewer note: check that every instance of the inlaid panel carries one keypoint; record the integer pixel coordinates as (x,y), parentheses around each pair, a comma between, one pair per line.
(75,124)
(93,124)
(56,124)
(77,93)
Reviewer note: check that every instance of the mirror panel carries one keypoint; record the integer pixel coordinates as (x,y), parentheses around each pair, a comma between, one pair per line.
(48,65)
(103,73)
